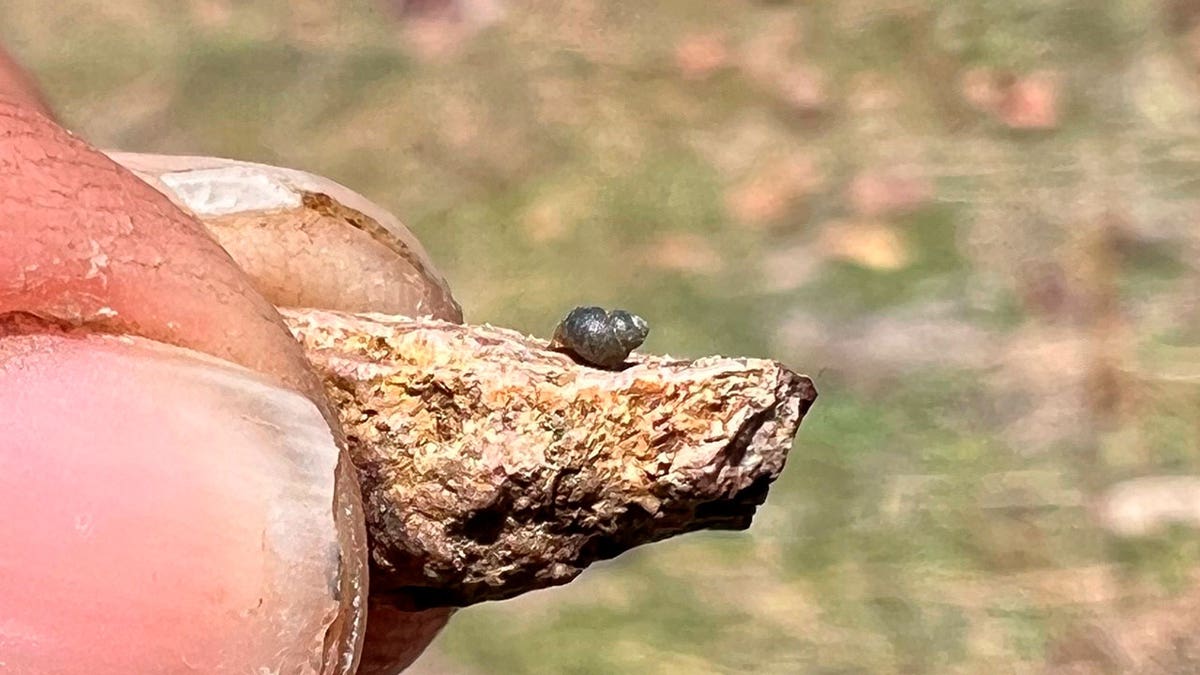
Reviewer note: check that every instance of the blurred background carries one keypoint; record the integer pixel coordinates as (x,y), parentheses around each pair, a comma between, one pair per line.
(972,222)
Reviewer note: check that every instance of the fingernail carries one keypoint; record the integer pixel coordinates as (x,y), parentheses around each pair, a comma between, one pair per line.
(161,510)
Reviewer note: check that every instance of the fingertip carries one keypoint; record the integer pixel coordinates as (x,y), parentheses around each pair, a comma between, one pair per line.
(85,242)
(16,84)
(152,497)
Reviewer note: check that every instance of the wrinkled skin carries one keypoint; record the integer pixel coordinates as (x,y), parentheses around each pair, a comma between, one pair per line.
(86,245)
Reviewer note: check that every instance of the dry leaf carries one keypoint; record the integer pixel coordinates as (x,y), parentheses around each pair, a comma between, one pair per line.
(865,242)
(1031,102)
(701,54)
(981,88)
(889,192)
(770,192)
(803,88)
(683,252)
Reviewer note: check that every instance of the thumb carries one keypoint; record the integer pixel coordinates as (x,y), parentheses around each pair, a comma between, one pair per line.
(17,86)
(163,512)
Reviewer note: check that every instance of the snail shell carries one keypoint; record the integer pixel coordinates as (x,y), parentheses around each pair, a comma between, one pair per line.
(600,338)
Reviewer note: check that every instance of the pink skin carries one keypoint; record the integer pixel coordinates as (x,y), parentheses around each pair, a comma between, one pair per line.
(129,551)
(17,86)
(98,466)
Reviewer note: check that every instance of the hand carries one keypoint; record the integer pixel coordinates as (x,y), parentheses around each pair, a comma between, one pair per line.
(168,470)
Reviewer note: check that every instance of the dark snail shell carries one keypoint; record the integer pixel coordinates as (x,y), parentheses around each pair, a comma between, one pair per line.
(600,338)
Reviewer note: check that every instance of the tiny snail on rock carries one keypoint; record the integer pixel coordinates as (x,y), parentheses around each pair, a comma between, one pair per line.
(599,338)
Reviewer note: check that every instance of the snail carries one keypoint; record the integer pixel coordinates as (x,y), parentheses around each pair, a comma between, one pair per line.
(599,338)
